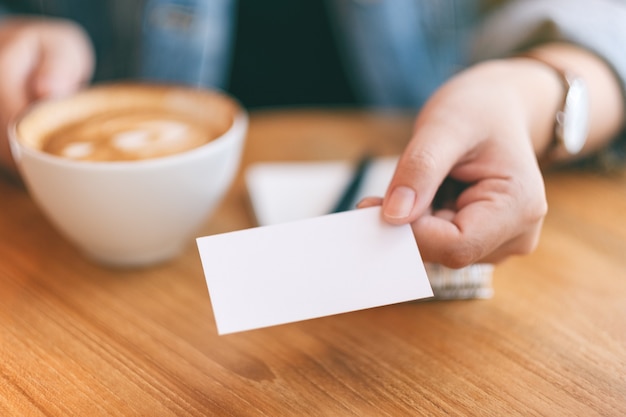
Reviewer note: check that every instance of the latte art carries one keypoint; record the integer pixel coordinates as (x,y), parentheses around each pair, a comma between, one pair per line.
(123,136)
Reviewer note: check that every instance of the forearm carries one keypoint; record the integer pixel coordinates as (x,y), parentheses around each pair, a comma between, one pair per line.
(513,27)
(530,86)
(606,103)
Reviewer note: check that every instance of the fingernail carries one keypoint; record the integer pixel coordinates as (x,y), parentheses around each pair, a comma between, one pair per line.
(400,203)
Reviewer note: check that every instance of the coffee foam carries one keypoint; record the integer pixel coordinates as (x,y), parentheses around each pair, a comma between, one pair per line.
(115,136)
(125,122)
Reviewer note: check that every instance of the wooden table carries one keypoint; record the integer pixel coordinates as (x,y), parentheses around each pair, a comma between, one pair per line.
(80,339)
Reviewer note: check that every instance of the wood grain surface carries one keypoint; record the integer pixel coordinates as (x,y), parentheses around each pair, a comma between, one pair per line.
(78,339)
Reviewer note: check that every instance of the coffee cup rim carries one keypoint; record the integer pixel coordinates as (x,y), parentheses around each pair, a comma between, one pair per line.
(237,128)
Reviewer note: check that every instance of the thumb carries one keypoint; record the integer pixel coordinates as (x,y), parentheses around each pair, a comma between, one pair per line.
(427,160)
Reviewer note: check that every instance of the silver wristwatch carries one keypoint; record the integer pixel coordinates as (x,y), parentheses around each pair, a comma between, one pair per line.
(572,120)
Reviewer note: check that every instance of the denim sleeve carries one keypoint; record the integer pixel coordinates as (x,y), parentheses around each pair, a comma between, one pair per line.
(188,41)
(397,52)
(598,26)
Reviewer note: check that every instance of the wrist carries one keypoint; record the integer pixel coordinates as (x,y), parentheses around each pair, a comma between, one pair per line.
(605,106)
(543,92)
(571,121)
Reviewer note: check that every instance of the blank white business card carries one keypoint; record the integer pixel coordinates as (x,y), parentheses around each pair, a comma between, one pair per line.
(310,268)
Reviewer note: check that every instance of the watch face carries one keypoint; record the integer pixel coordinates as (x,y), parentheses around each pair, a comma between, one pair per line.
(574,118)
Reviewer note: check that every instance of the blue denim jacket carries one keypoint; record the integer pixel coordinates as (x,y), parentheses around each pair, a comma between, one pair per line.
(187,41)
(397,52)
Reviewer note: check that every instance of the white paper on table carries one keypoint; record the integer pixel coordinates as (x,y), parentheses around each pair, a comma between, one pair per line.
(310,268)
(287,191)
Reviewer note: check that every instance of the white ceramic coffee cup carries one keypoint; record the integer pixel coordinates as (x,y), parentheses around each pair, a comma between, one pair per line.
(132,213)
